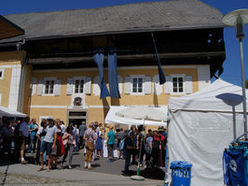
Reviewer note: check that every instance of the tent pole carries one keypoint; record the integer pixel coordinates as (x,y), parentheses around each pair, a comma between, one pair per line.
(234,123)
(138,177)
(243,87)
(166,183)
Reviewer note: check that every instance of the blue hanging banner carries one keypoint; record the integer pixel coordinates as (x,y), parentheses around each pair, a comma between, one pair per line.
(112,74)
(99,59)
(162,79)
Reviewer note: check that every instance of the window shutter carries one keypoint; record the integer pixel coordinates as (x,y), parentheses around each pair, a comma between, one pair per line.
(57,88)
(40,87)
(87,85)
(157,88)
(120,84)
(188,85)
(96,86)
(127,85)
(33,86)
(168,85)
(69,89)
(147,85)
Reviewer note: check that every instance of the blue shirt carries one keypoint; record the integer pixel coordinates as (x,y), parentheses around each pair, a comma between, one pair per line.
(111,136)
(32,126)
(24,129)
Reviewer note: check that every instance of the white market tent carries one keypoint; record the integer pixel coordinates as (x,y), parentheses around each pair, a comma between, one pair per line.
(137,115)
(10,113)
(201,127)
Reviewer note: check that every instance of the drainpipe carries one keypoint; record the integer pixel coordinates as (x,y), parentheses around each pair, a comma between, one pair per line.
(22,77)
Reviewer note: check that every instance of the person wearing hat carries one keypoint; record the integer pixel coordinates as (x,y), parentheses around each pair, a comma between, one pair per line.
(162,130)
(89,137)
(129,146)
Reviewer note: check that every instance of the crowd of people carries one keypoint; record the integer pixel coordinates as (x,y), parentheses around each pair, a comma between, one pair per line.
(52,142)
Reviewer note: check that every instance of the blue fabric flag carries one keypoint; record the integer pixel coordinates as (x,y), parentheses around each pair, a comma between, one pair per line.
(99,58)
(160,71)
(112,74)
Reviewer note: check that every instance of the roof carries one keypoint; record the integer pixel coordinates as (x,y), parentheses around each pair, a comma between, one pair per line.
(140,17)
(9,29)
(217,97)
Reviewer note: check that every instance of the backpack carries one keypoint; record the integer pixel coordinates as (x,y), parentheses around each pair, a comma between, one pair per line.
(157,140)
(148,149)
(122,145)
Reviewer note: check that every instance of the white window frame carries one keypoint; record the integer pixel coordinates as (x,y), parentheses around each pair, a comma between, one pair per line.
(74,84)
(184,85)
(44,89)
(143,88)
(2,70)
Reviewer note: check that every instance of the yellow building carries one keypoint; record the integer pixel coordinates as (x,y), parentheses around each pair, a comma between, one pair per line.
(51,73)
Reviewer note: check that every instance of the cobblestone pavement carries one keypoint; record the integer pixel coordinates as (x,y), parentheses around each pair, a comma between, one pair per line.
(104,173)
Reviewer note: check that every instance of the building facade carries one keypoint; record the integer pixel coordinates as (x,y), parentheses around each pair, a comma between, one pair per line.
(52,74)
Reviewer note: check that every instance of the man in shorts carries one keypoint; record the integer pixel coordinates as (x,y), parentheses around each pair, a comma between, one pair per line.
(23,133)
(48,144)
(89,137)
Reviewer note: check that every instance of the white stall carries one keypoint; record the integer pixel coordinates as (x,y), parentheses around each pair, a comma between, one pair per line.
(10,113)
(136,115)
(202,126)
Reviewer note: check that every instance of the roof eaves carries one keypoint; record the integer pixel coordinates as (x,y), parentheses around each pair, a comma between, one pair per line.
(141,30)
(22,31)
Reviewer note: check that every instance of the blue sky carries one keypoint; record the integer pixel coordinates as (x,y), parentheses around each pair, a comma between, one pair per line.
(232,69)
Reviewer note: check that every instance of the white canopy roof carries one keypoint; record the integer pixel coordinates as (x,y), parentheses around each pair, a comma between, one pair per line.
(137,115)
(10,113)
(219,96)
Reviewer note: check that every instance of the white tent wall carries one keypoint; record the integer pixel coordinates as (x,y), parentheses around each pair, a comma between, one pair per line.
(200,138)
(201,127)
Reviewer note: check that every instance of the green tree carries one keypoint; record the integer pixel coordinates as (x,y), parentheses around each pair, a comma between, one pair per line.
(246,83)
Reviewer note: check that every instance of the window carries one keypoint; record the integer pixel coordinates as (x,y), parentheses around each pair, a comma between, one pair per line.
(49,86)
(177,83)
(1,73)
(137,83)
(79,86)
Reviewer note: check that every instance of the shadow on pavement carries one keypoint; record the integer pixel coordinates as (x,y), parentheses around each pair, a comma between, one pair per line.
(102,165)
(5,161)
(95,165)
(154,173)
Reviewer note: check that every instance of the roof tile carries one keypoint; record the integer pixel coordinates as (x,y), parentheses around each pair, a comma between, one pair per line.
(163,15)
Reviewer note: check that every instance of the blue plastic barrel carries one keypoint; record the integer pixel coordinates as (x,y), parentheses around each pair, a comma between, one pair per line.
(181,173)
